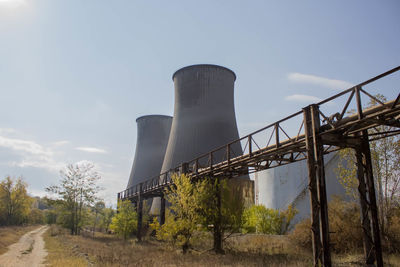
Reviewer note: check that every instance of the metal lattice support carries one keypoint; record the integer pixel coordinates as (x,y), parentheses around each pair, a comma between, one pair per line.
(369,210)
(312,187)
(162,210)
(317,188)
(139,208)
(218,223)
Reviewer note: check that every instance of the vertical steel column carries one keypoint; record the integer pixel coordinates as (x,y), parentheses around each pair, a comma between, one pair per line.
(162,210)
(322,196)
(317,187)
(218,222)
(373,241)
(365,221)
(312,186)
(118,200)
(139,208)
(184,168)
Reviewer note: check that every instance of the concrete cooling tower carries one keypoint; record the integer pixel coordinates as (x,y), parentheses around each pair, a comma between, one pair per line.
(279,187)
(151,144)
(204,115)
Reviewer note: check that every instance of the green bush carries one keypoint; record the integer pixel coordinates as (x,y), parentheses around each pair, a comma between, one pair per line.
(124,223)
(259,219)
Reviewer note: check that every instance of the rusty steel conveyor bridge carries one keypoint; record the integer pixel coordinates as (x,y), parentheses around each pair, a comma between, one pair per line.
(317,133)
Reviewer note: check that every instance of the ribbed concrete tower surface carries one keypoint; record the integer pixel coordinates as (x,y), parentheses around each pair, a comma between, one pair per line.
(204,115)
(151,144)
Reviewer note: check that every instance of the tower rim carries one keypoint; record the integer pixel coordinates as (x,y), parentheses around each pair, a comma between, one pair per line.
(153,115)
(204,65)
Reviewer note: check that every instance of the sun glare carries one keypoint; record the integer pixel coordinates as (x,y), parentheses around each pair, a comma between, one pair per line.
(12,3)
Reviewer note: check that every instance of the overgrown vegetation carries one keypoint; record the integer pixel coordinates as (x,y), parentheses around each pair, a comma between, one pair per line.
(185,214)
(259,219)
(16,206)
(61,253)
(107,250)
(197,207)
(124,223)
(345,228)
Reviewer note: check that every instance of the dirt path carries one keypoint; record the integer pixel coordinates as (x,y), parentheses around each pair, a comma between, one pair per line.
(28,251)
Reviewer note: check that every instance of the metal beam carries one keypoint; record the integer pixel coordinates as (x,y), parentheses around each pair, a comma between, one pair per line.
(312,187)
(322,197)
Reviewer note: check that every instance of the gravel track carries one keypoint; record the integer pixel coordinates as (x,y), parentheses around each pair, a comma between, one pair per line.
(28,251)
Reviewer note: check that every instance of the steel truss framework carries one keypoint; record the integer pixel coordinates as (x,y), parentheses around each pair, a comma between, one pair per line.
(317,135)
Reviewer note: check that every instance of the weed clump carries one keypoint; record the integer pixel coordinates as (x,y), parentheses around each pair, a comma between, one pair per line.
(344,225)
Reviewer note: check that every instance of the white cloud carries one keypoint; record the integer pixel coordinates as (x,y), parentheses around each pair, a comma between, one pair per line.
(303,98)
(30,153)
(91,149)
(60,143)
(320,81)
(23,145)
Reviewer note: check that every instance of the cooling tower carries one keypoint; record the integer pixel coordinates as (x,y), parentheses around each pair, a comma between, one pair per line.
(279,187)
(151,144)
(204,115)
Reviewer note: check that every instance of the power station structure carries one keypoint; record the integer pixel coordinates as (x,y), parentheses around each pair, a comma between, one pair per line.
(317,134)
(151,144)
(279,187)
(204,117)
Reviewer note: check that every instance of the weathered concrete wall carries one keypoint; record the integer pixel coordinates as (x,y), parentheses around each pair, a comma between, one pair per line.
(244,189)
(279,187)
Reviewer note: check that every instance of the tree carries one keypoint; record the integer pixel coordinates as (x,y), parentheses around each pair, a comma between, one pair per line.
(76,192)
(15,204)
(193,209)
(221,205)
(182,217)
(36,216)
(97,209)
(259,219)
(124,223)
(106,218)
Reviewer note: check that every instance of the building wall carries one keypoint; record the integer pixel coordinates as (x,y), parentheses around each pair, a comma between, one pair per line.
(279,187)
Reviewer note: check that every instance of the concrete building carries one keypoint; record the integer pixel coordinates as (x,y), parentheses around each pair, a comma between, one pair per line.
(279,187)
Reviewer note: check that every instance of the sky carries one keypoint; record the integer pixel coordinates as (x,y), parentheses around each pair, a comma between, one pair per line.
(75,75)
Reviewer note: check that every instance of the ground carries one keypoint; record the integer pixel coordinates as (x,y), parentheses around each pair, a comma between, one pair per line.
(243,250)
(28,251)
(108,250)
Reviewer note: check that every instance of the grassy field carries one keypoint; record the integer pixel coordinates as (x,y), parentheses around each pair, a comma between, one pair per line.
(11,234)
(247,250)
(60,252)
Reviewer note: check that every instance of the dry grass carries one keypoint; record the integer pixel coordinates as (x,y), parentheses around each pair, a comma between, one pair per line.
(353,260)
(61,253)
(106,250)
(11,234)
(242,250)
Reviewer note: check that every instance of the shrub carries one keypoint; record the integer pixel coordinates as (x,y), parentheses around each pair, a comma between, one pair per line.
(124,223)
(344,225)
(301,234)
(259,219)
(392,235)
